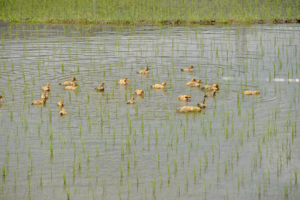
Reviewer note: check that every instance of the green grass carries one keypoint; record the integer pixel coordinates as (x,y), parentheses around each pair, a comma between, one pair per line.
(153,11)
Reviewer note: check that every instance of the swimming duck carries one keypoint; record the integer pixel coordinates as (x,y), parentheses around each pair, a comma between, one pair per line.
(1,98)
(46,88)
(145,71)
(62,111)
(211,95)
(45,95)
(73,79)
(202,105)
(159,86)
(196,84)
(72,87)
(124,81)
(251,92)
(184,97)
(189,109)
(192,81)
(38,102)
(211,87)
(139,92)
(60,103)
(188,70)
(100,88)
(131,101)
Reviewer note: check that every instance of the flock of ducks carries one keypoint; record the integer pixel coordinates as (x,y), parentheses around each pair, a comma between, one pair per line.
(72,85)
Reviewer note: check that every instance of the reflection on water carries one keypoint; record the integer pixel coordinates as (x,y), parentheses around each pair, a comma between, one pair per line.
(238,147)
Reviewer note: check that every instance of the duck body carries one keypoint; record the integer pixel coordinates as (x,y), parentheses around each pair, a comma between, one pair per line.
(100,88)
(145,71)
(190,82)
(1,98)
(46,88)
(131,101)
(139,92)
(73,79)
(45,95)
(124,81)
(211,87)
(188,109)
(251,92)
(60,103)
(188,69)
(39,102)
(184,97)
(159,86)
(62,111)
(71,87)
(202,105)
(211,95)
(196,84)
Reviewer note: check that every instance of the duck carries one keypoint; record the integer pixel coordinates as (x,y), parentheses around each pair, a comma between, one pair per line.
(188,69)
(196,84)
(251,92)
(62,111)
(202,105)
(1,98)
(72,87)
(124,81)
(73,79)
(139,92)
(131,101)
(211,95)
(46,88)
(45,95)
(192,81)
(145,71)
(159,86)
(38,102)
(211,87)
(100,88)
(184,97)
(60,103)
(185,109)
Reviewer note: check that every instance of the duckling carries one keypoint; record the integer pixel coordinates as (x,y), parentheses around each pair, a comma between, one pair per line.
(124,81)
(38,102)
(184,97)
(73,79)
(188,70)
(72,87)
(196,84)
(211,95)
(189,109)
(1,98)
(159,86)
(131,101)
(45,95)
(139,92)
(251,92)
(62,111)
(46,88)
(100,88)
(145,71)
(60,103)
(211,87)
(192,81)
(202,105)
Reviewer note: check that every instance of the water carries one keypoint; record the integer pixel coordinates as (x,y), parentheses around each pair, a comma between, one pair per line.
(238,147)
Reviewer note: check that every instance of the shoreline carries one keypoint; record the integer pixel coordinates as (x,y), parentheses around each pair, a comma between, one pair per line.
(151,22)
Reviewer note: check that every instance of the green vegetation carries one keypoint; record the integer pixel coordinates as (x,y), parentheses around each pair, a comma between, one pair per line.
(153,11)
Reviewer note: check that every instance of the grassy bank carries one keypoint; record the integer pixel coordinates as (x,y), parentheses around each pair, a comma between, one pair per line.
(152,11)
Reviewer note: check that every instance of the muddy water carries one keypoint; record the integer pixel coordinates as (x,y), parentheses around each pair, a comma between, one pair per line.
(238,147)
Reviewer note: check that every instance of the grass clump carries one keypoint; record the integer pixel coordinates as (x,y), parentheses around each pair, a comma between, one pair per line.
(154,11)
